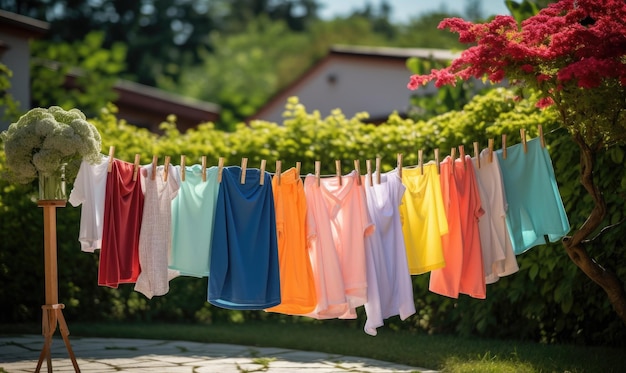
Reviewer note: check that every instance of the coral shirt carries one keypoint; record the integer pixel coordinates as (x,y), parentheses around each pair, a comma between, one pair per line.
(297,286)
(464,271)
(123,211)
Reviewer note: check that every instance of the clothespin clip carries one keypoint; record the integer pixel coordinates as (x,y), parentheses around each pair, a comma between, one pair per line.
(220,168)
(111,153)
(357,168)
(490,150)
(522,133)
(298,164)
(262,169)
(477,153)
(338,168)
(504,146)
(155,160)
(204,168)
(377,170)
(399,162)
(420,160)
(137,159)
(278,171)
(437,160)
(318,166)
(182,167)
(541,139)
(244,166)
(166,167)
(462,153)
(368,167)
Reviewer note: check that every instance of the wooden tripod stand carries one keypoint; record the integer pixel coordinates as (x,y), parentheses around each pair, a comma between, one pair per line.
(52,310)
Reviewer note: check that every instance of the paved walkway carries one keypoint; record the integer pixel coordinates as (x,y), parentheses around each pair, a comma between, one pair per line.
(20,354)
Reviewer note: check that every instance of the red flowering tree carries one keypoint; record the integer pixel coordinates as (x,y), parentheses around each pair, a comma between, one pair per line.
(574,53)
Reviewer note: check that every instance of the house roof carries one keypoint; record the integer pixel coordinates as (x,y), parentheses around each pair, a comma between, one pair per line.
(28,25)
(148,106)
(358,54)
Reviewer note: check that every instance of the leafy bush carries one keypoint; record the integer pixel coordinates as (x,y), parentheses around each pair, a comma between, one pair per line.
(548,300)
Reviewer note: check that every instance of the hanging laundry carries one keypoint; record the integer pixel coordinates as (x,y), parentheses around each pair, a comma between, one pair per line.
(156,229)
(297,286)
(535,205)
(89,191)
(337,223)
(463,272)
(244,272)
(389,285)
(423,219)
(123,211)
(193,215)
(498,257)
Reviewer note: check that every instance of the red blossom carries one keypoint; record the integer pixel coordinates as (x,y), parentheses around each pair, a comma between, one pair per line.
(544,102)
(554,40)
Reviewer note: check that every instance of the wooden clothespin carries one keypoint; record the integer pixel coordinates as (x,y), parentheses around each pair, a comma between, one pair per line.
(166,167)
(504,146)
(522,133)
(477,153)
(111,154)
(368,167)
(490,150)
(437,160)
(399,163)
(155,160)
(541,138)
(318,166)
(462,153)
(204,168)
(137,159)
(244,166)
(262,169)
(182,167)
(338,170)
(220,168)
(298,165)
(278,171)
(357,168)
(453,155)
(377,170)
(420,160)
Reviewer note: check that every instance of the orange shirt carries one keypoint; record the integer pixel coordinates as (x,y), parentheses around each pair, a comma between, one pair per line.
(297,286)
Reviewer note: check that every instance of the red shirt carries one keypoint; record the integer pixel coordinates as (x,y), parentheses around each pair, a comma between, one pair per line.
(123,210)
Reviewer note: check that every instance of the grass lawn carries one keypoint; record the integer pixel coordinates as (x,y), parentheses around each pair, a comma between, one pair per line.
(446,353)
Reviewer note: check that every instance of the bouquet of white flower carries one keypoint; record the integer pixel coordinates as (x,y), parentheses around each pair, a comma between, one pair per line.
(43,140)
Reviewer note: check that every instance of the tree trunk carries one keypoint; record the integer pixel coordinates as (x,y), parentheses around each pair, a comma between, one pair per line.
(575,245)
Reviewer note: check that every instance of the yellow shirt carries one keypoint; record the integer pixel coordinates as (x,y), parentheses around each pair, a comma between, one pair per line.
(423,219)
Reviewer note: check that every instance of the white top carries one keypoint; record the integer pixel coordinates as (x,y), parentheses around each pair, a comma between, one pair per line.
(498,256)
(155,241)
(89,190)
(389,285)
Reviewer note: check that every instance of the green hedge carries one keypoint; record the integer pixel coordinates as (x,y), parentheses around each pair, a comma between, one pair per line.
(548,300)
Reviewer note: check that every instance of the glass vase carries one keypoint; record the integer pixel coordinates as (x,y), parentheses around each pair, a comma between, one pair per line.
(52,186)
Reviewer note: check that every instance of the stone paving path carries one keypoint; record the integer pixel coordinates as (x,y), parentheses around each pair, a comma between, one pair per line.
(108,355)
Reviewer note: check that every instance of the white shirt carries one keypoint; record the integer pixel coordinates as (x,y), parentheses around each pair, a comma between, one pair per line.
(89,190)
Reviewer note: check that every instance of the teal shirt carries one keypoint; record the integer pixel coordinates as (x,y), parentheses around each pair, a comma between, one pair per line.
(193,213)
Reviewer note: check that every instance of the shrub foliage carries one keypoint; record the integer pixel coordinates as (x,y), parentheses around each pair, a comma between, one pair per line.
(548,300)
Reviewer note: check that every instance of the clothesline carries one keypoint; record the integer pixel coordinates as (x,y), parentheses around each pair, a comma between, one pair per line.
(340,246)
(318,175)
